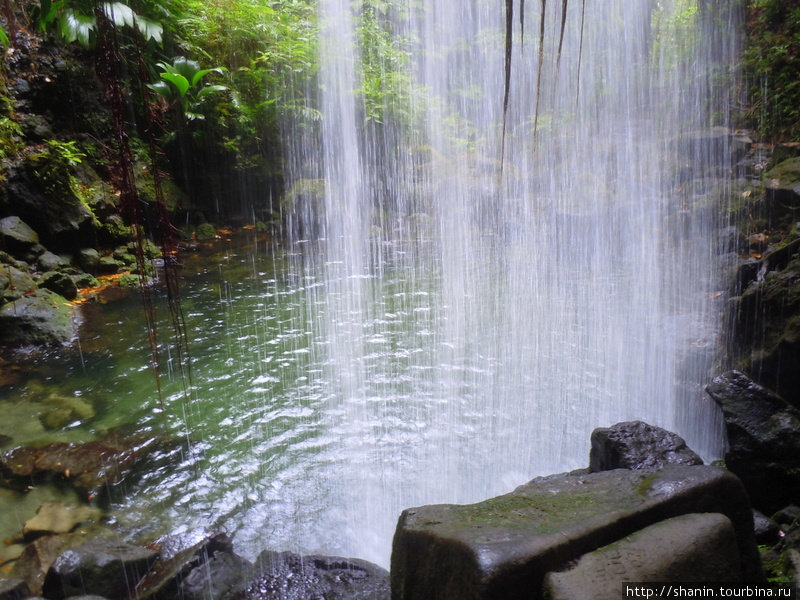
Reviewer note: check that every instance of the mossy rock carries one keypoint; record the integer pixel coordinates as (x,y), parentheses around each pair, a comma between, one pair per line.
(172,196)
(60,283)
(114,230)
(206,232)
(40,318)
(53,201)
(14,283)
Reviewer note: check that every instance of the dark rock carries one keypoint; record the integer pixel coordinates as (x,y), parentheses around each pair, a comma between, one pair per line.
(504,546)
(46,196)
(731,239)
(782,185)
(766,530)
(767,323)
(99,566)
(699,548)
(637,445)
(788,517)
(288,576)
(178,556)
(13,589)
(40,318)
(223,574)
(92,466)
(108,265)
(60,283)
(16,236)
(763,438)
(48,261)
(89,260)
(38,556)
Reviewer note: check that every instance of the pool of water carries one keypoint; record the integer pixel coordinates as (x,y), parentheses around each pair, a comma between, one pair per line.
(317,410)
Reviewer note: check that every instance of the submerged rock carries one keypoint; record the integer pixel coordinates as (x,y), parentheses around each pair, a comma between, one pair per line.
(699,548)
(637,445)
(763,439)
(99,566)
(91,467)
(503,547)
(58,517)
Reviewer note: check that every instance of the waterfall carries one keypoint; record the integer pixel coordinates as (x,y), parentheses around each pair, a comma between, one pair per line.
(473,321)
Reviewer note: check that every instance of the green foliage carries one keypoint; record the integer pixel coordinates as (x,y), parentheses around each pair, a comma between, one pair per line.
(74,20)
(386,83)
(772,68)
(10,131)
(68,152)
(182,85)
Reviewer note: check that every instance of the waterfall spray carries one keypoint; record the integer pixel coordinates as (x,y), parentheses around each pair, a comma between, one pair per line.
(500,269)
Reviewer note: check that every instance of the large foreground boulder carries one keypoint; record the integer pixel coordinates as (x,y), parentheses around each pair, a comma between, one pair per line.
(695,548)
(637,445)
(763,440)
(503,547)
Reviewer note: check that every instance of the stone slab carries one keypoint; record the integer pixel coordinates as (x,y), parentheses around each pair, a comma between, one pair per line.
(694,548)
(502,548)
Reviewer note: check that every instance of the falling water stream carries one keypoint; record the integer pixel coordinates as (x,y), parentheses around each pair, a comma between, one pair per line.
(440,327)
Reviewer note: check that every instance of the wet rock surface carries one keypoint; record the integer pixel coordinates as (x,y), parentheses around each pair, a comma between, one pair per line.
(763,437)
(99,566)
(503,547)
(637,445)
(288,576)
(699,548)
(197,564)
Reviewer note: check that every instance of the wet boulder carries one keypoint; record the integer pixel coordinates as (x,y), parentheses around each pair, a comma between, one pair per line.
(503,547)
(185,559)
(763,439)
(288,576)
(637,445)
(39,318)
(38,556)
(100,566)
(699,548)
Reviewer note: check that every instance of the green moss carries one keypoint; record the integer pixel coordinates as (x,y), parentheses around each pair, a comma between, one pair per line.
(206,231)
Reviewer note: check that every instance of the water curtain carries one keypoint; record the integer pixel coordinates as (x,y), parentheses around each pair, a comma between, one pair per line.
(482,300)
